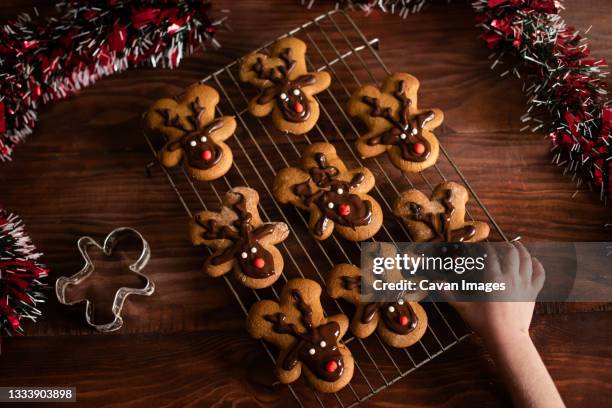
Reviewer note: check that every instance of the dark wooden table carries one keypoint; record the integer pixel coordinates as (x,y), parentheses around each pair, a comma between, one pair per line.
(81,173)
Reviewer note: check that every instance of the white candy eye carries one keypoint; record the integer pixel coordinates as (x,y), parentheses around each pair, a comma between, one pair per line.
(391,309)
(330,205)
(403,136)
(253,250)
(193,143)
(323,344)
(244,255)
(415,131)
(340,191)
(203,139)
(296,92)
(283,96)
(311,351)
(400,301)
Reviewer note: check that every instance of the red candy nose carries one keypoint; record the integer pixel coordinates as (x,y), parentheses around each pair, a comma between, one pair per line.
(298,107)
(419,148)
(331,366)
(259,263)
(344,209)
(206,155)
(403,320)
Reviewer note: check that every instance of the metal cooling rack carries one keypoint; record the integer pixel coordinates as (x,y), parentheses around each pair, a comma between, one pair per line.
(337,45)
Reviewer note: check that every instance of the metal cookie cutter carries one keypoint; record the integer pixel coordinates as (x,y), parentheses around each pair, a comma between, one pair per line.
(110,242)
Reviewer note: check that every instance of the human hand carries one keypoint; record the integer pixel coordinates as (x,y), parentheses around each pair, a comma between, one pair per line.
(504,326)
(506,321)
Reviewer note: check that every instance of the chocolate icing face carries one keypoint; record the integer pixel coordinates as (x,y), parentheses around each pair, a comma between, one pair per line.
(402,320)
(333,197)
(318,352)
(406,133)
(439,224)
(251,257)
(398,316)
(317,347)
(287,94)
(293,103)
(345,209)
(201,151)
(248,253)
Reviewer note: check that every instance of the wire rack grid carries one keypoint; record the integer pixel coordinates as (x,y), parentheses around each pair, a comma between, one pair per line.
(337,45)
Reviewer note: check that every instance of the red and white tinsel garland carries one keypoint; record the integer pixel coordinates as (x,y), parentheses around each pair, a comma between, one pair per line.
(21,276)
(401,7)
(563,80)
(48,59)
(565,86)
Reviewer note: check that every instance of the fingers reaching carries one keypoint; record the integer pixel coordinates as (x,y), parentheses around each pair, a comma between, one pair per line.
(525,268)
(510,259)
(539,274)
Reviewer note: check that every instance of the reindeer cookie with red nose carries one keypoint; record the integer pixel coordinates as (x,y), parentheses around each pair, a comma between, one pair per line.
(335,196)
(400,324)
(309,342)
(240,240)
(395,124)
(287,88)
(193,133)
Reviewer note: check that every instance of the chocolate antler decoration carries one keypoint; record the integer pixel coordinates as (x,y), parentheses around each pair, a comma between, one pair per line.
(197,110)
(194,119)
(280,326)
(439,224)
(284,70)
(262,73)
(316,347)
(385,113)
(212,230)
(287,57)
(323,174)
(304,309)
(404,112)
(245,229)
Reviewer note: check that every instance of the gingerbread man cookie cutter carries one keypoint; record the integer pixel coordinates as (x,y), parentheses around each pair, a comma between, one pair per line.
(110,242)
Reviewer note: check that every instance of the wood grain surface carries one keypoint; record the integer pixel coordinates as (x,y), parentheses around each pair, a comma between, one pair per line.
(81,173)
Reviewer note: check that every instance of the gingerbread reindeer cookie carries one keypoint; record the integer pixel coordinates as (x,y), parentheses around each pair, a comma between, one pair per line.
(441,218)
(400,324)
(194,135)
(287,88)
(240,240)
(395,124)
(309,342)
(335,196)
